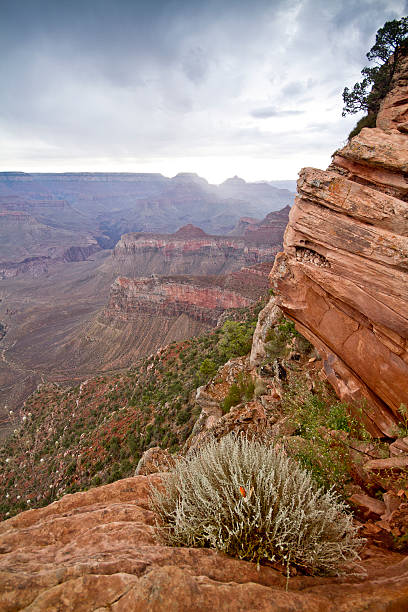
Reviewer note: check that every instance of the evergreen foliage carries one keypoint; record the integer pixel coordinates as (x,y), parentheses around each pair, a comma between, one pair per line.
(390,47)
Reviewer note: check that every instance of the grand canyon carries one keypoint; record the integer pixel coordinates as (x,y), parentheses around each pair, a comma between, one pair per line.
(58,287)
(204,387)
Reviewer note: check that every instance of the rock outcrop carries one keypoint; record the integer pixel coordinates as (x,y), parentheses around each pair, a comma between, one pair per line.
(343,275)
(269,230)
(37,266)
(97,551)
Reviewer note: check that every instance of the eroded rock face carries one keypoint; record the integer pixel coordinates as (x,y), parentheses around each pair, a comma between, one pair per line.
(154,460)
(343,276)
(192,251)
(201,298)
(97,551)
(171,297)
(267,319)
(30,247)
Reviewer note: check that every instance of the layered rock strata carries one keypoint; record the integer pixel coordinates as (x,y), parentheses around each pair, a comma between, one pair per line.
(343,275)
(192,251)
(37,266)
(200,298)
(269,230)
(144,314)
(28,246)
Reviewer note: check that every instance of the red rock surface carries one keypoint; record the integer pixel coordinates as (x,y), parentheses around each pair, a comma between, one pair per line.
(190,231)
(97,551)
(343,276)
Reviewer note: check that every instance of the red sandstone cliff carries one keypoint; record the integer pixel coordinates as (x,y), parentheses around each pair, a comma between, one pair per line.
(343,275)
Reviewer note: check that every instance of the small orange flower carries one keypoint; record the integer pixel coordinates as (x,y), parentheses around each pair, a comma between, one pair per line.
(242,491)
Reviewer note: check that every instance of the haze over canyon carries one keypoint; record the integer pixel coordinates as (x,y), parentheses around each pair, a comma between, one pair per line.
(62,247)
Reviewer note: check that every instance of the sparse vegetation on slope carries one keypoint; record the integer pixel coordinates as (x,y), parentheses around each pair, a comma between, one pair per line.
(320,420)
(95,433)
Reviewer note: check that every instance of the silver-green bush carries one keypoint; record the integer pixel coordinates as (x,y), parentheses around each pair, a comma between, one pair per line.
(253,502)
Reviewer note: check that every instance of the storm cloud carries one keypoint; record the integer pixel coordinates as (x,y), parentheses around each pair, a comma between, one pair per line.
(218,88)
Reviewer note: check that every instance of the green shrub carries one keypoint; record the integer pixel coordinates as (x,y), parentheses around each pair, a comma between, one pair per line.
(250,501)
(278,337)
(310,410)
(114,446)
(313,413)
(242,390)
(366,121)
(236,339)
(232,399)
(208,368)
(402,429)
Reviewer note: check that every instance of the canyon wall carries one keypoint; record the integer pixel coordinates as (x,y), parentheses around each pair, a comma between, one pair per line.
(191,251)
(37,266)
(113,204)
(270,230)
(29,246)
(343,275)
(200,298)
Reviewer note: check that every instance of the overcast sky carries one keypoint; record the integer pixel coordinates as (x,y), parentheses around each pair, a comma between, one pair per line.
(217,87)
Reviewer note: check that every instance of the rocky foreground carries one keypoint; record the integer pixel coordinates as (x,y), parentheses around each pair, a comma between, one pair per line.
(96,551)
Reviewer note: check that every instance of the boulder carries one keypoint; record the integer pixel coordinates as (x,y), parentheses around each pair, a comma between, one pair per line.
(399,447)
(154,460)
(367,506)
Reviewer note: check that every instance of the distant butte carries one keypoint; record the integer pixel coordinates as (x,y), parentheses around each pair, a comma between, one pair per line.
(190,231)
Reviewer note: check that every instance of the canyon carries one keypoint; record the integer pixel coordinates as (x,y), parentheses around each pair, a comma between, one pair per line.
(342,280)
(143,314)
(48,219)
(55,310)
(112,204)
(28,246)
